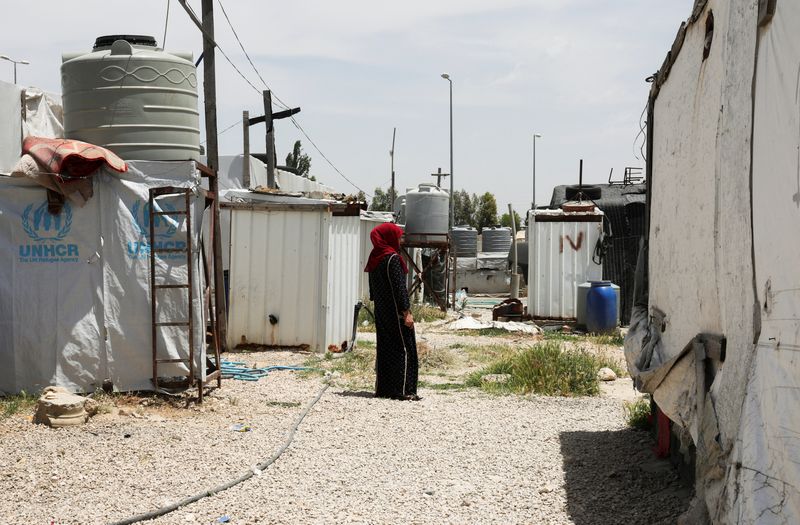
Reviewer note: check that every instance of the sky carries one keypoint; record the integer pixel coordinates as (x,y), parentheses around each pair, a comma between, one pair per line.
(570,70)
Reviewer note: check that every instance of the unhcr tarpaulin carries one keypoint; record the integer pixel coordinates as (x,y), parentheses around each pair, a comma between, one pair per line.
(723,256)
(75,288)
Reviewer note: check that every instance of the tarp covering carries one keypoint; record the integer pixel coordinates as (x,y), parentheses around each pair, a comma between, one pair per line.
(75,287)
(721,263)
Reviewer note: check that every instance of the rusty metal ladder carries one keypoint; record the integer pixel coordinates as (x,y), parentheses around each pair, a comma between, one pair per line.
(155,287)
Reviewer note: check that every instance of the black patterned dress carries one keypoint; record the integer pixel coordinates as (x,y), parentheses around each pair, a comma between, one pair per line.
(396,365)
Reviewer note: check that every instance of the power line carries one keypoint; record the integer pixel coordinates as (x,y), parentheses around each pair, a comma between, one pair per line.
(238,122)
(166,24)
(236,36)
(298,126)
(197,22)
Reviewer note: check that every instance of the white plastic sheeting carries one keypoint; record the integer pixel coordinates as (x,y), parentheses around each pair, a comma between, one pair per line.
(714,271)
(293,260)
(24,112)
(75,288)
(559,259)
(11,130)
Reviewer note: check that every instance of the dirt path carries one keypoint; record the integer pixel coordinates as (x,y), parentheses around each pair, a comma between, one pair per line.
(457,456)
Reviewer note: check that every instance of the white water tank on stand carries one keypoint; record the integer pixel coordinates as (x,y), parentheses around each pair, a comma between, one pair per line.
(427,210)
(133,98)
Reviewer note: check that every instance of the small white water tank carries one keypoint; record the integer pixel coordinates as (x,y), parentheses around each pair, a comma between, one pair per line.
(427,210)
(133,98)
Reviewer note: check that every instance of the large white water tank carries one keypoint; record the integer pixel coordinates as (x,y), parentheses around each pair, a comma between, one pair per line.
(427,210)
(133,98)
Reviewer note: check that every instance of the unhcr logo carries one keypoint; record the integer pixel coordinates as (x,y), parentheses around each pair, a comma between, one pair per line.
(47,231)
(165,229)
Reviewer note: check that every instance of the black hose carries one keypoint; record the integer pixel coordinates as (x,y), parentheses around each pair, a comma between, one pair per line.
(244,477)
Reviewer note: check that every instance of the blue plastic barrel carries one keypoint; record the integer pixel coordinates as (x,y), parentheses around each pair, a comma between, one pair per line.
(601,308)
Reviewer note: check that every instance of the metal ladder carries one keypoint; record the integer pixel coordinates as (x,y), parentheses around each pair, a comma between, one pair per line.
(155,287)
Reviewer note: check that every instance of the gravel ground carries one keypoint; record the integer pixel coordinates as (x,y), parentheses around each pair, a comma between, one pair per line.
(454,457)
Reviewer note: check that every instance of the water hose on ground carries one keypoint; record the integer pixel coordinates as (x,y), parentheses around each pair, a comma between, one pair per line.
(244,477)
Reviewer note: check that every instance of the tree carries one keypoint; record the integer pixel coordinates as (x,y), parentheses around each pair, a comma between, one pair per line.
(381,200)
(505,220)
(487,211)
(361,196)
(463,209)
(299,160)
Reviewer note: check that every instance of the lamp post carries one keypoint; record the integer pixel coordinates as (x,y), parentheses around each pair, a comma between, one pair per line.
(447,77)
(533,199)
(15,62)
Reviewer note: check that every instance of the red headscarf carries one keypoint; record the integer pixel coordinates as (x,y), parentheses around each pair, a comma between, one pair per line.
(385,241)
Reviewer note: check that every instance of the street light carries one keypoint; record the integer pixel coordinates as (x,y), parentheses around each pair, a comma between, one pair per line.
(533,200)
(447,77)
(15,62)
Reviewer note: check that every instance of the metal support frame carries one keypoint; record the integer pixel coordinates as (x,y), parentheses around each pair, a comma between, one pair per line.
(440,243)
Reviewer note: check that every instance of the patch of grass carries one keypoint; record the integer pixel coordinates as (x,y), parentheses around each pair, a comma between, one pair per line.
(637,414)
(434,358)
(425,313)
(547,369)
(14,404)
(457,345)
(615,339)
(357,368)
(442,386)
(557,335)
(486,354)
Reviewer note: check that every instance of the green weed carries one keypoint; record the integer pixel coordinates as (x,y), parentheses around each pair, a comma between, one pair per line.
(16,403)
(546,369)
(637,414)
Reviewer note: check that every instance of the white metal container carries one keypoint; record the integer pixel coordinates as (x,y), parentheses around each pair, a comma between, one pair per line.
(133,98)
(293,273)
(560,259)
(427,210)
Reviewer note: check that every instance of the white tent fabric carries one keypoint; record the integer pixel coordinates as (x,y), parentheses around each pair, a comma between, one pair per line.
(770,433)
(11,130)
(74,288)
(713,270)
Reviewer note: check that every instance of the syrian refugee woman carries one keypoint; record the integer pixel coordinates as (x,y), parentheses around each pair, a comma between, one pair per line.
(396,364)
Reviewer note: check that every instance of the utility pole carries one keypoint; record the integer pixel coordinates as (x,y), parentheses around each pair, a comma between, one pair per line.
(392,194)
(439,176)
(212,159)
(246,149)
(270,138)
(269,119)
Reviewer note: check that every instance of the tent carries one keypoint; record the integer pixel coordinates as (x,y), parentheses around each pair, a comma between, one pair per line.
(715,329)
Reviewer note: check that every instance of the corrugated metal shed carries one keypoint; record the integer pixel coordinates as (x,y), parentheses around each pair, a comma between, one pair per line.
(624,207)
(293,272)
(561,259)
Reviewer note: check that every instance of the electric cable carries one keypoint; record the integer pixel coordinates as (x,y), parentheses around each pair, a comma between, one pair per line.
(236,36)
(197,22)
(255,470)
(166,24)
(226,129)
